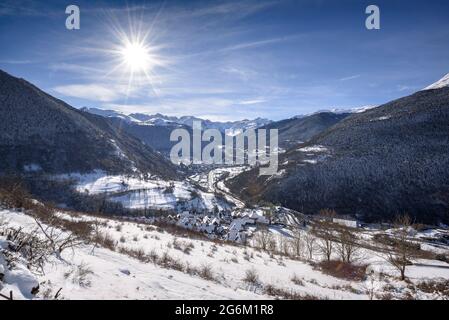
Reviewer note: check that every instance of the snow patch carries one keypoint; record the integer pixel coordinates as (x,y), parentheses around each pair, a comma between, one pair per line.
(315,148)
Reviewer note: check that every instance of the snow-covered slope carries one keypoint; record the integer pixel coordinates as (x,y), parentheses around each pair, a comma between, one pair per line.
(144,261)
(136,192)
(85,273)
(443,82)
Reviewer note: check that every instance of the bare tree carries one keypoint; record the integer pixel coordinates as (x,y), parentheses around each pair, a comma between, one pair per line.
(96,234)
(347,247)
(284,245)
(310,241)
(403,250)
(297,243)
(324,231)
(263,239)
(327,213)
(58,240)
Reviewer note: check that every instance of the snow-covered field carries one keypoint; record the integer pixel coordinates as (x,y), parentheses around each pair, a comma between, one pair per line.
(85,272)
(137,192)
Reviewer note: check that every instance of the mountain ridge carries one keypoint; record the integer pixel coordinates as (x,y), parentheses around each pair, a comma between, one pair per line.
(386,161)
(43,134)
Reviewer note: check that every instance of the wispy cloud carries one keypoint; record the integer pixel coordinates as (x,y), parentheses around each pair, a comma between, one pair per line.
(249,102)
(26,8)
(404,87)
(16,61)
(94,92)
(356,76)
(254,44)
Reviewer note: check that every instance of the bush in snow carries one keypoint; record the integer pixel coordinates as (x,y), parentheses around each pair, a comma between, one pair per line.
(251,277)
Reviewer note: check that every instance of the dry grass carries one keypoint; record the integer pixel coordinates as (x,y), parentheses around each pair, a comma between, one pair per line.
(343,270)
(436,287)
(296,280)
(286,294)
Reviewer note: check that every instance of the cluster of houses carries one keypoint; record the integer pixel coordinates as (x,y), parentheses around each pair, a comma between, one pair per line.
(228,225)
(239,224)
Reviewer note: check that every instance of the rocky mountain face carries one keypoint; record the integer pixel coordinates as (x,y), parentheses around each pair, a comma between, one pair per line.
(386,161)
(39,133)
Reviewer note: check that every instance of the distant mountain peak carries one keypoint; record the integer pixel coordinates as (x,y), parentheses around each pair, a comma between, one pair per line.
(159,119)
(443,82)
(337,111)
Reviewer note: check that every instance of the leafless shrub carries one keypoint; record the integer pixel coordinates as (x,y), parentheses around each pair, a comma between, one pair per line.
(185,247)
(170,263)
(80,275)
(188,247)
(384,296)
(29,245)
(440,288)
(13,194)
(286,294)
(251,277)
(296,280)
(106,241)
(59,240)
(153,256)
(205,272)
(138,254)
(190,270)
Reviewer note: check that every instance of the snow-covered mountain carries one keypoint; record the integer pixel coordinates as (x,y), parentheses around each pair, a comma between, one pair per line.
(162,120)
(376,163)
(443,82)
(338,111)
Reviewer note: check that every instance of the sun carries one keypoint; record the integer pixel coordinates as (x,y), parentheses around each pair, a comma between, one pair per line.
(136,56)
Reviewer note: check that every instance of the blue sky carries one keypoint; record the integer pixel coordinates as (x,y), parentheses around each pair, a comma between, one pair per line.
(227,60)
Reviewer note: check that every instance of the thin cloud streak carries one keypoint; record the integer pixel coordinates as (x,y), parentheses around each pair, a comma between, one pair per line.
(351,77)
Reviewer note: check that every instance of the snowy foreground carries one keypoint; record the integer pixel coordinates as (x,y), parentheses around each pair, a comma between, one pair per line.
(122,267)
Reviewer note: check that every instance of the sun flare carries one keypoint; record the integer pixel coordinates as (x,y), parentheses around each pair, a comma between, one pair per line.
(136,56)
